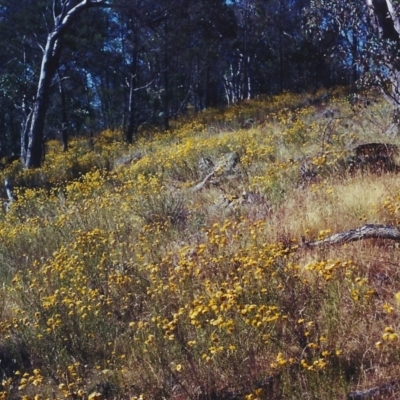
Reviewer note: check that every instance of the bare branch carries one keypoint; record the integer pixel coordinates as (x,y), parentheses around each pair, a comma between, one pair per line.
(141,87)
(54,11)
(368,231)
(67,15)
(61,14)
(144,86)
(37,42)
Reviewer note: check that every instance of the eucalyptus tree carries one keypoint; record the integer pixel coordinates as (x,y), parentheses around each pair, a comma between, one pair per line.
(385,20)
(64,13)
(173,51)
(79,99)
(370,32)
(140,23)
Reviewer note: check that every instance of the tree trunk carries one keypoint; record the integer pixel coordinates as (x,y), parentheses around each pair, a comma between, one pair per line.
(64,118)
(387,24)
(34,127)
(131,129)
(166,97)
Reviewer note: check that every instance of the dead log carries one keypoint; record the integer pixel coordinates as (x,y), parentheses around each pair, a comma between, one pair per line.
(373,392)
(368,231)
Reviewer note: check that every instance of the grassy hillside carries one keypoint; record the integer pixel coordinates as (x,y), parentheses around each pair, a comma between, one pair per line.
(160,271)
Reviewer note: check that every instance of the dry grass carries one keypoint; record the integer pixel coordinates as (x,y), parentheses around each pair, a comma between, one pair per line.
(125,283)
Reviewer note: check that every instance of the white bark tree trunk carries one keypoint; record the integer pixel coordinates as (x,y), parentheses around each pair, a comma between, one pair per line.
(33,128)
(387,24)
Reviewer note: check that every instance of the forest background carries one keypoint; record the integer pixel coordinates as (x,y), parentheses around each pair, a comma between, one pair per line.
(134,64)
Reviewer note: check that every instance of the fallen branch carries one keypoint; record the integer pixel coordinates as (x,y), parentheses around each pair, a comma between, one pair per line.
(203,183)
(368,231)
(378,390)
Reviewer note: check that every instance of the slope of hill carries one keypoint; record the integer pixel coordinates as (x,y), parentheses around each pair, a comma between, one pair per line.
(176,268)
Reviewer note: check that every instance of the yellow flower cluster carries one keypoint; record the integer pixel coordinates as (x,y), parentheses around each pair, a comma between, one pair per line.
(123,280)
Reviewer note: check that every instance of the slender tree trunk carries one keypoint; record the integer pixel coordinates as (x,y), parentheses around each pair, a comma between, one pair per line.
(64,118)
(24,136)
(166,99)
(131,129)
(32,136)
(248,78)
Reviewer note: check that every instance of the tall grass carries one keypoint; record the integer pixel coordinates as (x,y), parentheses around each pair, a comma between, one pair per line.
(126,283)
